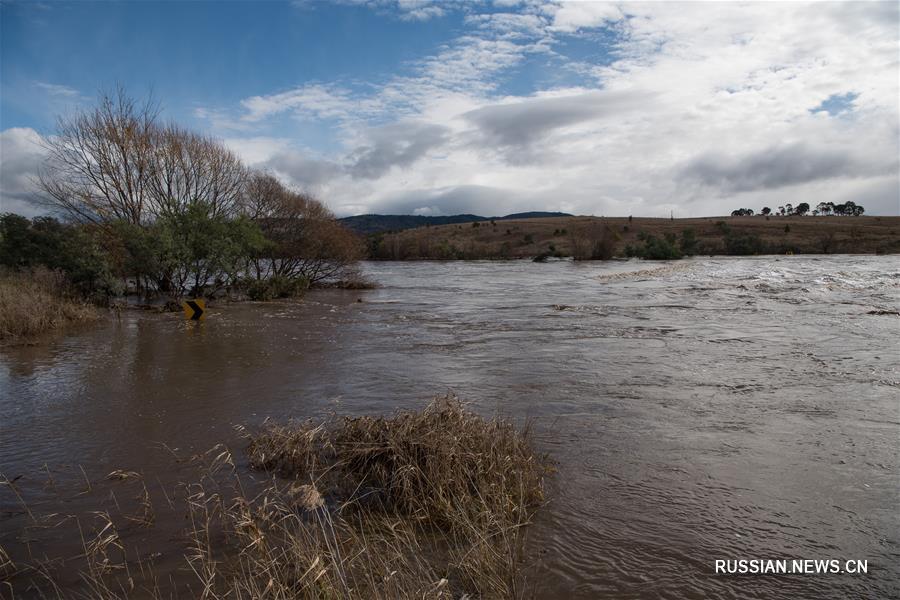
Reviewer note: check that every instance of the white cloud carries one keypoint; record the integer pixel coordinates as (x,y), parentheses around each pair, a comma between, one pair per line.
(699,108)
(58,90)
(21,156)
(572,16)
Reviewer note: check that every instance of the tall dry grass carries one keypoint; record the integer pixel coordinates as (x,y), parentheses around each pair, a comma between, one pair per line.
(38,301)
(423,504)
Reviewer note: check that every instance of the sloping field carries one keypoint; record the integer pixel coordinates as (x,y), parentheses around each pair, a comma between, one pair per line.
(565,235)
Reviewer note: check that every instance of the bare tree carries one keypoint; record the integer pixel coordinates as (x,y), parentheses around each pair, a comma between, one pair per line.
(190,168)
(306,240)
(99,161)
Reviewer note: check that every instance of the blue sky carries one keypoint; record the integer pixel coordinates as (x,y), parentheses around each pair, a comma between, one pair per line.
(196,53)
(486,107)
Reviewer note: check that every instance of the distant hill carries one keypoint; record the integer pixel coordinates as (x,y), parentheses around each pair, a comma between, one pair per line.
(368,224)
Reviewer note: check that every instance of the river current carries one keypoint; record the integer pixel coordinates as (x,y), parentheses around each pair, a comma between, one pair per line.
(699,410)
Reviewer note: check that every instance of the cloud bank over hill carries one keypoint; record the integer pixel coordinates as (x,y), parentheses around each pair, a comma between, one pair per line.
(588,108)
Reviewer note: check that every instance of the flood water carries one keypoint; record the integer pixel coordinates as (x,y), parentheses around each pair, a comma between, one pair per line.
(699,410)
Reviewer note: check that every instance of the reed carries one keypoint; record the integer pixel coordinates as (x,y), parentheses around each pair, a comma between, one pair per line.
(36,302)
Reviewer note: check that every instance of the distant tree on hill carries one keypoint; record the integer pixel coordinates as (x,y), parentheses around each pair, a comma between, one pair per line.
(742,212)
(849,209)
(801,209)
(765,211)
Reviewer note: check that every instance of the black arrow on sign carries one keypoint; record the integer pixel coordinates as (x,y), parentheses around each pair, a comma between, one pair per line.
(198,311)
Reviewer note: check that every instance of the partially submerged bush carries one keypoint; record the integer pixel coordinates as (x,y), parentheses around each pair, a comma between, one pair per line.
(274,287)
(655,248)
(744,244)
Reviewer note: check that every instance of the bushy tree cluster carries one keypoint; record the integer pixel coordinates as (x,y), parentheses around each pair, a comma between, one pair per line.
(849,208)
(162,210)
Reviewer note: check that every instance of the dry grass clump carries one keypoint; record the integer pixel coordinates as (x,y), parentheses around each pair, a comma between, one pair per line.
(36,302)
(463,487)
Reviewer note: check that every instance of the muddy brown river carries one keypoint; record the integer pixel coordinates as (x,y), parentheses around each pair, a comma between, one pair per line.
(699,410)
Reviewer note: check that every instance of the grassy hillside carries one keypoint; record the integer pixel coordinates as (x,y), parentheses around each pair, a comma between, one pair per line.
(596,237)
(369,224)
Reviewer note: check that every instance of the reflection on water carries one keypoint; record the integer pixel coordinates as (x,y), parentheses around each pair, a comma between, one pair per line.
(708,409)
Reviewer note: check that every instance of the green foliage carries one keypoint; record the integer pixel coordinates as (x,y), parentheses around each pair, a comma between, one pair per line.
(528,239)
(787,228)
(745,244)
(274,287)
(25,243)
(78,250)
(194,251)
(689,242)
(203,250)
(655,248)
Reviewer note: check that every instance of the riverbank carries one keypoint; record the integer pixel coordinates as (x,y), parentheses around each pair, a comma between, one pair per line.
(603,237)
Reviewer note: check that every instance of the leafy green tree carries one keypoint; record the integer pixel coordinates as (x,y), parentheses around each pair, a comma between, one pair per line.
(27,243)
(200,252)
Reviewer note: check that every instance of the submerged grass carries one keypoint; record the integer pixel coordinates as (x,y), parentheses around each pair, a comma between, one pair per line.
(431,503)
(35,302)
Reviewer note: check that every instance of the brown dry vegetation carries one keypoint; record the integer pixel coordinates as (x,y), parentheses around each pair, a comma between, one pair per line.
(32,303)
(579,236)
(423,504)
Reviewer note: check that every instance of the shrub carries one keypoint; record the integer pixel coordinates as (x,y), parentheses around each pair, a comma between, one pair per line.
(688,242)
(274,287)
(744,244)
(655,248)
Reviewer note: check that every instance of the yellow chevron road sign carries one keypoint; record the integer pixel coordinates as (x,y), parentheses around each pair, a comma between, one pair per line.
(195,310)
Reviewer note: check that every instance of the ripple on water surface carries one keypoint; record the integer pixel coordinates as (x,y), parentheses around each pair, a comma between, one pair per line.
(699,410)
